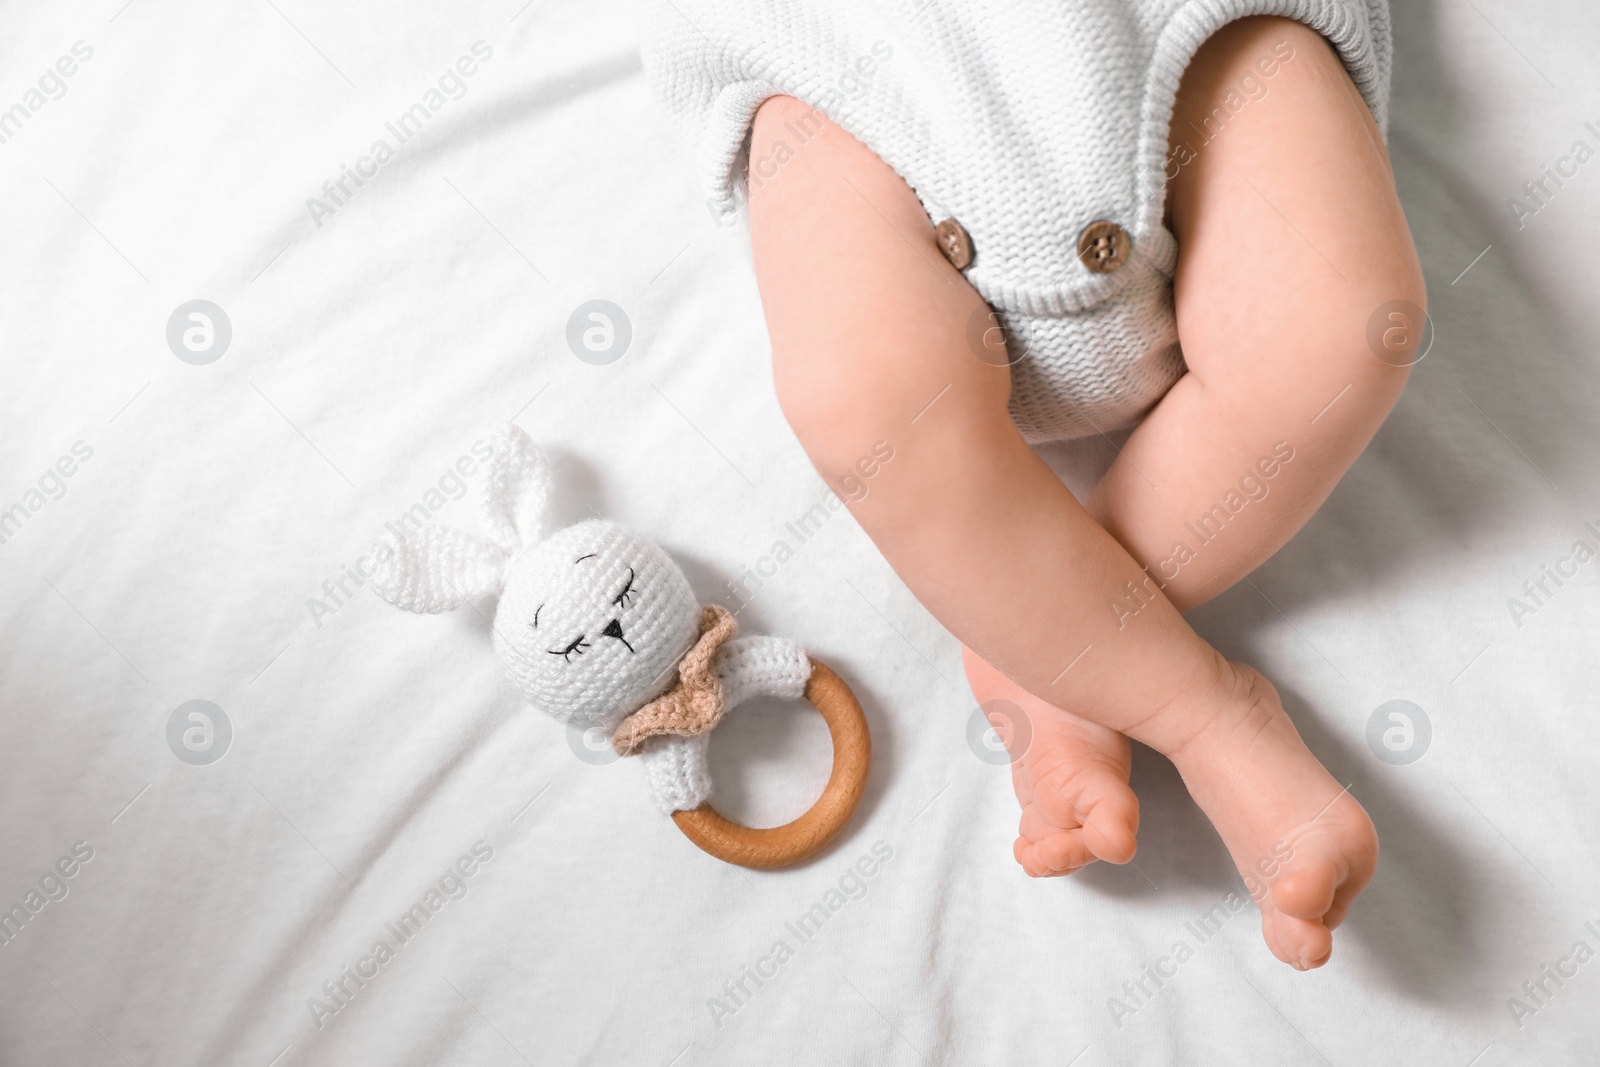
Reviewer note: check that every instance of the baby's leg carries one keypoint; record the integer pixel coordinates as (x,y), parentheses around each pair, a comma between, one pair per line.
(867,324)
(1276,338)
(1291,238)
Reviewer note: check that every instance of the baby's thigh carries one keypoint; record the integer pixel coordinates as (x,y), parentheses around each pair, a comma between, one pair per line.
(869,323)
(1290,232)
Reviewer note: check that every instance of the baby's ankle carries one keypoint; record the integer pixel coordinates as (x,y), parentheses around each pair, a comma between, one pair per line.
(1219,698)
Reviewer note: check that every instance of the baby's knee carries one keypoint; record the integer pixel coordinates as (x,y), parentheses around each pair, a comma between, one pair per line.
(1378,325)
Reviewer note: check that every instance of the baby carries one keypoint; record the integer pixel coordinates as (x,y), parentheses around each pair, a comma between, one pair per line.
(975,229)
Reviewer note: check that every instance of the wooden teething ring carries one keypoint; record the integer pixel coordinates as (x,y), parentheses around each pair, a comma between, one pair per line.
(794,841)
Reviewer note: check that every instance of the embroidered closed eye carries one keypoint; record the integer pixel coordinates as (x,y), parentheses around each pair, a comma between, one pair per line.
(578,645)
(621,599)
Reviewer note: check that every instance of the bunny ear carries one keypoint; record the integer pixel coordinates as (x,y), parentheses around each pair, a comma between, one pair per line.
(516,489)
(438,569)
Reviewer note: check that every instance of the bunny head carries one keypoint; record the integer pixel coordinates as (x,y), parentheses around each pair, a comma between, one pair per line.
(592,621)
(592,618)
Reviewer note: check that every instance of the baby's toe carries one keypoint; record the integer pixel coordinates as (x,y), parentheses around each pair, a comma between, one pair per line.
(1058,854)
(1303,905)
(1306,889)
(1303,944)
(1035,825)
(1096,799)
(1111,827)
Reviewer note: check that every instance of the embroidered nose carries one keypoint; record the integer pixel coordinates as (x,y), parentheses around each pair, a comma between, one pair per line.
(614,629)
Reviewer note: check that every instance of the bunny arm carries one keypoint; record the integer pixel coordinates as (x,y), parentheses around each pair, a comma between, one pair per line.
(676,771)
(761,666)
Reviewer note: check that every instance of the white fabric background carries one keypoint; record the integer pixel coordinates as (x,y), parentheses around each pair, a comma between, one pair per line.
(373,750)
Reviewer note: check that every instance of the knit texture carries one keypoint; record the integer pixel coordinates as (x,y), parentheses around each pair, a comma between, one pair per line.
(762,666)
(1026,122)
(675,767)
(437,569)
(516,489)
(593,622)
(695,703)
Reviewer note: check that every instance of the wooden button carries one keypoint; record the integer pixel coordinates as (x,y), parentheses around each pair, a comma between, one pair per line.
(1104,247)
(954,243)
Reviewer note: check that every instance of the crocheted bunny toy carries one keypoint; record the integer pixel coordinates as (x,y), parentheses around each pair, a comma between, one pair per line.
(596,626)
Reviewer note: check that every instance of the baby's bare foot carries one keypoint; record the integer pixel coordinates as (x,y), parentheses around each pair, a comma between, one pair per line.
(1306,848)
(1071,779)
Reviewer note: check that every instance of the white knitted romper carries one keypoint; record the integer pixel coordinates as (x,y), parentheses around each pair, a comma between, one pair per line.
(1025,121)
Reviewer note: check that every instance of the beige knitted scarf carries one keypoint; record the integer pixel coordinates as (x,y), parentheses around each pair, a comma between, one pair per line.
(695,703)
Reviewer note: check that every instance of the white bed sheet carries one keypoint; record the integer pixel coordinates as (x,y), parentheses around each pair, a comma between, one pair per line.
(371,750)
